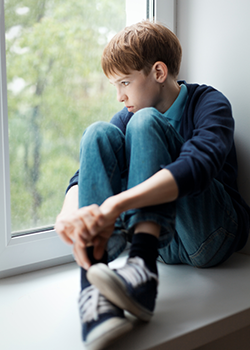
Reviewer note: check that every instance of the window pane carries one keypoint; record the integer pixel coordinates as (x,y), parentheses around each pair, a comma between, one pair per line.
(56,88)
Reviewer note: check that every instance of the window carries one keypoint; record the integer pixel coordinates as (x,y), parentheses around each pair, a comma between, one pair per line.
(56,88)
(52,53)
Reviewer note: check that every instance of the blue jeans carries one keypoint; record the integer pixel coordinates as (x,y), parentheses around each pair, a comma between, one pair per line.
(194,230)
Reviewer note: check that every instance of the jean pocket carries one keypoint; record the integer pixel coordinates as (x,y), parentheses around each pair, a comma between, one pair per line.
(214,249)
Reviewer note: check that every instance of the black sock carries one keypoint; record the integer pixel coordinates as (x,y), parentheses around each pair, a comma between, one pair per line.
(145,246)
(90,251)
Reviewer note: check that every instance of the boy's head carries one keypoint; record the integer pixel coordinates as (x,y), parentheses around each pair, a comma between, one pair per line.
(139,46)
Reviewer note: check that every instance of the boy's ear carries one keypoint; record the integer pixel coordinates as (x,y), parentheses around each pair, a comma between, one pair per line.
(160,71)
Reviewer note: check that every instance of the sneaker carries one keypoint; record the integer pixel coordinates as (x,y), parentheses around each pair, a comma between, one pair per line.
(132,288)
(102,322)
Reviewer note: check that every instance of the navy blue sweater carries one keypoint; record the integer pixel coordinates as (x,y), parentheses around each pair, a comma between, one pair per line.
(208,153)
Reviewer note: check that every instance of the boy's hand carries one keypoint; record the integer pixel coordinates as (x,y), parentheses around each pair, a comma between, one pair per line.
(99,242)
(91,225)
(87,226)
(80,226)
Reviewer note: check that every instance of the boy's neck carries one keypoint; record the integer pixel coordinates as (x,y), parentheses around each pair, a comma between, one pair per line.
(170,92)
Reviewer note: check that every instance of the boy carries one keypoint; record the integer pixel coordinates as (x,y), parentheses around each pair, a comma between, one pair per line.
(162,175)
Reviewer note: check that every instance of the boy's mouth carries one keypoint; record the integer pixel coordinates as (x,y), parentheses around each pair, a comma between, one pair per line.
(130,108)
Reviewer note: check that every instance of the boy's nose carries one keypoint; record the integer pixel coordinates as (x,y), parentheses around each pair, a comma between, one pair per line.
(121,97)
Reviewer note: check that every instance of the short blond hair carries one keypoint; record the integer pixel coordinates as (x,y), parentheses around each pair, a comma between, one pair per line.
(139,46)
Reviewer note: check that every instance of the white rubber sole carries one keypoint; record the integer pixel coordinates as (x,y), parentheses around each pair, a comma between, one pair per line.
(107,333)
(112,287)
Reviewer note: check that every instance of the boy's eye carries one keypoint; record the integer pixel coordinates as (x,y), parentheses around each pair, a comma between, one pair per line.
(125,83)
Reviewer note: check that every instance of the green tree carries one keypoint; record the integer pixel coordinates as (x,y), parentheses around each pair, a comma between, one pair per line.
(56,88)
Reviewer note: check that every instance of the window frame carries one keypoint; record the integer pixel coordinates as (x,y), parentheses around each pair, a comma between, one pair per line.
(41,249)
(165,12)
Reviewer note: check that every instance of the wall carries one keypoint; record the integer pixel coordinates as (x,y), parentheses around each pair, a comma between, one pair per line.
(215,36)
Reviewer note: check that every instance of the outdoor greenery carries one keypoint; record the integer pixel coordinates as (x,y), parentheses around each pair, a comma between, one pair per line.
(56,88)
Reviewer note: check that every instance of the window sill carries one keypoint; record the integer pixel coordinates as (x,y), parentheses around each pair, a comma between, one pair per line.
(194,307)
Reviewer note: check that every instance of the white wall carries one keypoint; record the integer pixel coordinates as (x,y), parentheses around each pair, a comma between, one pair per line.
(215,36)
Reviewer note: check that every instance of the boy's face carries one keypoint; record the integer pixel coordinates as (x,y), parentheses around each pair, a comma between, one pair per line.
(137,90)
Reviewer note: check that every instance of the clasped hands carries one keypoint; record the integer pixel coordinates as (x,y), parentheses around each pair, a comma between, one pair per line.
(91,225)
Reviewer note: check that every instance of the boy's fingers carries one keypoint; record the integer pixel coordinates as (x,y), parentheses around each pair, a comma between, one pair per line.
(80,226)
(95,210)
(92,218)
(65,238)
(61,229)
(81,256)
(100,242)
(100,245)
(77,230)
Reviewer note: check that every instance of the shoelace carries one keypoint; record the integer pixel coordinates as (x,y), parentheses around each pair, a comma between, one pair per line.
(92,304)
(136,272)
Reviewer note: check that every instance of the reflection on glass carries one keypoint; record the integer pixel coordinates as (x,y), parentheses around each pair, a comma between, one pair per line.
(56,88)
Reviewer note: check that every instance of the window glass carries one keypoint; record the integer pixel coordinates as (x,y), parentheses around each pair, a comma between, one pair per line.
(56,88)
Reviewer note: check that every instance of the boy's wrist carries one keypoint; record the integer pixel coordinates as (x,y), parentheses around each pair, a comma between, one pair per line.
(121,202)
(112,206)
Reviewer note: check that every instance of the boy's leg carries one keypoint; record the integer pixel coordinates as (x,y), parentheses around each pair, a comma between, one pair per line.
(103,173)
(150,142)
(206,225)
(206,228)
(102,321)
(102,162)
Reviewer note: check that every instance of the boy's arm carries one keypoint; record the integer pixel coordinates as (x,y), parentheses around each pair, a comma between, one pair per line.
(71,217)
(159,188)
(91,221)
(94,225)
(70,206)
(208,150)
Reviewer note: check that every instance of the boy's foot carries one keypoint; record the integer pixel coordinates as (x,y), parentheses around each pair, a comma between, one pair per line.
(102,322)
(132,287)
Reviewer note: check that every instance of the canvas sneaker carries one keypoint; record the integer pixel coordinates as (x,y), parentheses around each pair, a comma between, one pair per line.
(102,322)
(132,287)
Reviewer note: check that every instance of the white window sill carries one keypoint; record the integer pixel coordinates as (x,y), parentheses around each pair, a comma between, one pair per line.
(194,307)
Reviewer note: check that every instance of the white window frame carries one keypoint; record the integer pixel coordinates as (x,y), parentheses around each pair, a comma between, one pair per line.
(42,249)
(163,11)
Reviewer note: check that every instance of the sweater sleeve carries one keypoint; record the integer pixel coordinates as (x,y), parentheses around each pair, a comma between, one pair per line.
(73,181)
(205,152)
(121,119)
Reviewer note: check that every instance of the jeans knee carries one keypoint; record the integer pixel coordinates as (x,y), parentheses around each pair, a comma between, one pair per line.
(95,132)
(143,120)
(102,136)
(95,129)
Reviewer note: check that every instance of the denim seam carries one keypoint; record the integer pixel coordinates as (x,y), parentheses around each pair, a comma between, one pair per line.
(227,211)
(229,214)
(181,245)
(115,166)
(112,173)
(205,243)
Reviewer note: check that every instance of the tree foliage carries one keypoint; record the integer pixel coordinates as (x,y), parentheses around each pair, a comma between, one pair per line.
(56,88)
